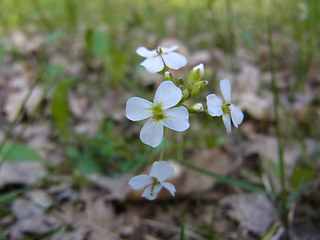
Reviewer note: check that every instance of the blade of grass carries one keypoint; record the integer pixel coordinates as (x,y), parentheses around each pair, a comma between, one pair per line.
(299,191)
(232,181)
(182,232)
(18,115)
(276,104)
(33,113)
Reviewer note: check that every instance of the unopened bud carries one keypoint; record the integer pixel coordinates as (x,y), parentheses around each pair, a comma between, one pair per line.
(199,68)
(197,107)
(167,75)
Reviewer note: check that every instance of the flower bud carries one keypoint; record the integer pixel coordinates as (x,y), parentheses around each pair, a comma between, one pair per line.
(168,76)
(199,68)
(198,107)
(196,74)
(185,95)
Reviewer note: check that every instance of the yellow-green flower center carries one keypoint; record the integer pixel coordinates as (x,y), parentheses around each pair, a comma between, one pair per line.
(159,51)
(157,112)
(154,183)
(226,108)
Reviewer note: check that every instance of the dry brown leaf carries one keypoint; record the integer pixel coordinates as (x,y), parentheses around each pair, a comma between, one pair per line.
(41,198)
(118,188)
(259,107)
(213,160)
(78,104)
(254,212)
(267,147)
(30,219)
(15,99)
(24,173)
(24,44)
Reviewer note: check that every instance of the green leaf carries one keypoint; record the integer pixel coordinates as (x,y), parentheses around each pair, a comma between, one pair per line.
(300,176)
(60,106)
(88,166)
(19,152)
(275,167)
(295,197)
(54,36)
(100,44)
(10,196)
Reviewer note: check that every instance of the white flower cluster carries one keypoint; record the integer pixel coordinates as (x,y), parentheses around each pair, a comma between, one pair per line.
(167,110)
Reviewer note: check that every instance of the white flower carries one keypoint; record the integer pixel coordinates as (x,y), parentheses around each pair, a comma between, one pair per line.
(160,113)
(158,58)
(217,108)
(154,182)
(199,68)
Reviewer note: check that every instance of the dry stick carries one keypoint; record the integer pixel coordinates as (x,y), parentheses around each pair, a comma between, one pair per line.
(276,102)
(18,115)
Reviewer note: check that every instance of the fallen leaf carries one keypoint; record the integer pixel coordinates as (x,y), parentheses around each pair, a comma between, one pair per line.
(213,160)
(118,188)
(40,198)
(267,148)
(30,219)
(23,173)
(254,212)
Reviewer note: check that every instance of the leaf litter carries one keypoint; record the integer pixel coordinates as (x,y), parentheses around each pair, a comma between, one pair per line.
(104,207)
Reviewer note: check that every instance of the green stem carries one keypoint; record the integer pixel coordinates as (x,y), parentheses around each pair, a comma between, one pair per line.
(164,145)
(277,104)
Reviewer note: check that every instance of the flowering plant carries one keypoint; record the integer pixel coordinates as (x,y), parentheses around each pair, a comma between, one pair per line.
(169,110)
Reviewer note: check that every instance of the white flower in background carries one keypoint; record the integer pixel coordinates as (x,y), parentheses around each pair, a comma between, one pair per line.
(160,113)
(158,58)
(217,108)
(154,182)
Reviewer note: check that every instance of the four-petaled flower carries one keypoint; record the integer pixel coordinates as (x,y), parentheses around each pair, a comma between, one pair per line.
(158,58)
(154,182)
(160,113)
(217,108)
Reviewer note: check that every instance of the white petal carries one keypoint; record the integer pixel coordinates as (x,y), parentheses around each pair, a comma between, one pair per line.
(144,52)
(138,109)
(236,115)
(177,119)
(153,64)
(227,122)
(214,105)
(170,49)
(139,182)
(147,192)
(226,89)
(152,133)
(168,94)
(161,170)
(174,60)
(170,187)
